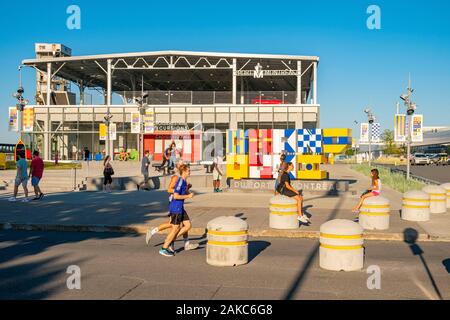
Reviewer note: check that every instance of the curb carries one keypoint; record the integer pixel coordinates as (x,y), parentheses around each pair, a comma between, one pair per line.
(257,233)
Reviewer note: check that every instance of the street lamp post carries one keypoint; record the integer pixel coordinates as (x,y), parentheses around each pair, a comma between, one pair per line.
(370,119)
(410,108)
(142,108)
(21,103)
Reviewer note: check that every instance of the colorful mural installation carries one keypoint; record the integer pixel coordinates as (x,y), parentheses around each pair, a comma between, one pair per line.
(255,153)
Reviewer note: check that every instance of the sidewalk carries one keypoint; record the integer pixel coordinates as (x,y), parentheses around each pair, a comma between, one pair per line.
(134,211)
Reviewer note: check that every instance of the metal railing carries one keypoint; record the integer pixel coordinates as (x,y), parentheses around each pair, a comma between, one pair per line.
(211,97)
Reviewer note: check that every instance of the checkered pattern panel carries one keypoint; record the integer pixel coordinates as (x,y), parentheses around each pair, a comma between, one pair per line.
(376,132)
(309,141)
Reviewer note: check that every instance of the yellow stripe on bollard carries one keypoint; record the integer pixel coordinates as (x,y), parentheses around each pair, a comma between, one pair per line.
(375,213)
(438,200)
(327,246)
(415,207)
(339,236)
(281,213)
(437,194)
(416,200)
(221,243)
(375,206)
(227,233)
(293,205)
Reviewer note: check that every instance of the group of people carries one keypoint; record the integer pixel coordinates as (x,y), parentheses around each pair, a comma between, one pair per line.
(23,176)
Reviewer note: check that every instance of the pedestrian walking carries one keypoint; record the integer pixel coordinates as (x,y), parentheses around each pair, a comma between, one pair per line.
(375,189)
(21,177)
(145,165)
(36,172)
(217,170)
(285,188)
(108,172)
(179,219)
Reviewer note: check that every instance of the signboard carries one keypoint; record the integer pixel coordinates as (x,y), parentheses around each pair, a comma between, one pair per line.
(149,124)
(260,73)
(417,128)
(400,133)
(171,127)
(364,133)
(135,122)
(376,133)
(112,131)
(28,119)
(102,131)
(13,124)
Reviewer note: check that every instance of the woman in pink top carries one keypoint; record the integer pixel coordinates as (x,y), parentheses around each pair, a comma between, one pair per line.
(375,190)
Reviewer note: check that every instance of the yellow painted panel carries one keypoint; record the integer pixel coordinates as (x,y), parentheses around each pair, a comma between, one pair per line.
(335,148)
(337,132)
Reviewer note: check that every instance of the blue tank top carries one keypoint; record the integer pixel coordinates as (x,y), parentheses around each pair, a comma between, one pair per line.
(177,206)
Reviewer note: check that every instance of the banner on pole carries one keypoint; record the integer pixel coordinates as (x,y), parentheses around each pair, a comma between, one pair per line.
(376,133)
(149,124)
(417,128)
(28,119)
(400,132)
(102,131)
(112,131)
(13,124)
(364,133)
(135,122)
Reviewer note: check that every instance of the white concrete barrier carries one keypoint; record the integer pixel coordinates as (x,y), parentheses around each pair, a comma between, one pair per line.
(438,199)
(283,213)
(227,242)
(416,206)
(446,186)
(375,213)
(341,245)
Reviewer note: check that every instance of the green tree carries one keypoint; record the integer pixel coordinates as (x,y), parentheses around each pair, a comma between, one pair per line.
(389,144)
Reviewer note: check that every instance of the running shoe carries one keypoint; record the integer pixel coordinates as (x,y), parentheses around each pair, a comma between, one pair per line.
(303,219)
(165,252)
(190,246)
(149,234)
(12,199)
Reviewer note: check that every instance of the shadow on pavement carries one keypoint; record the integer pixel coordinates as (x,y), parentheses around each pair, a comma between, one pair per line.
(255,248)
(22,279)
(301,276)
(410,236)
(446,264)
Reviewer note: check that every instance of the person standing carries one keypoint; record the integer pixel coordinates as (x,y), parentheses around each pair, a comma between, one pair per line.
(178,215)
(36,172)
(145,164)
(21,177)
(285,188)
(173,156)
(217,173)
(108,172)
(86,154)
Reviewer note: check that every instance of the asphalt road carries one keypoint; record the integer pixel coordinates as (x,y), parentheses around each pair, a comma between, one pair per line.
(437,173)
(33,265)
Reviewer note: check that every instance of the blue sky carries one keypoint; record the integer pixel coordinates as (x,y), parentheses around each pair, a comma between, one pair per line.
(358,66)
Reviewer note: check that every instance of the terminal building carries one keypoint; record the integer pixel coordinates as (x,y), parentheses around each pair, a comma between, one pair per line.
(183,94)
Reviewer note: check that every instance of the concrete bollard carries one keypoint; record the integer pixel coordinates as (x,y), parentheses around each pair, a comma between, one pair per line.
(341,245)
(446,186)
(416,206)
(438,199)
(283,213)
(374,213)
(227,242)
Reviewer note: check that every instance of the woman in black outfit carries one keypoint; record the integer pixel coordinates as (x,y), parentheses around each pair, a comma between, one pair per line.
(107,174)
(285,188)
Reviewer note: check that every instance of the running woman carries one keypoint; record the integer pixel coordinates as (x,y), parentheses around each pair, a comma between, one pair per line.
(178,215)
(151,232)
(374,191)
